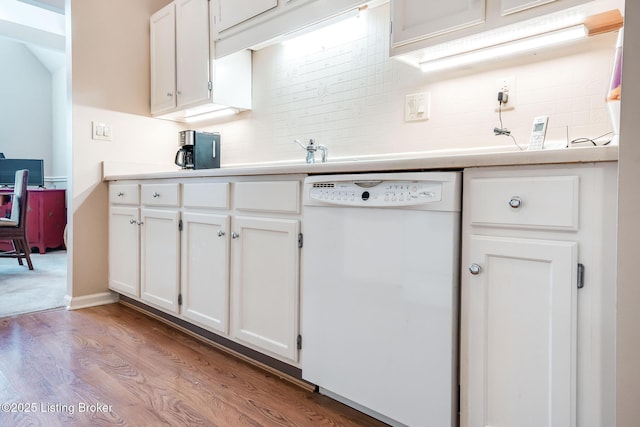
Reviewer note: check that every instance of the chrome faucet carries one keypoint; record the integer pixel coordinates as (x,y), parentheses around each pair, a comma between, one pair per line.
(311,149)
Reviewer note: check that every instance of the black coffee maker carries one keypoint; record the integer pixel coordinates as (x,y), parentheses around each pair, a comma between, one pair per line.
(198,150)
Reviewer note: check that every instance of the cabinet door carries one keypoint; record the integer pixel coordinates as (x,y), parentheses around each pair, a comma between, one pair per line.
(53,219)
(34,220)
(265,284)
(232,12)
(163,59)
(419,19)
(192,52)
(205,270)
(519,334)
(124,254)
(512,6)
(160,263)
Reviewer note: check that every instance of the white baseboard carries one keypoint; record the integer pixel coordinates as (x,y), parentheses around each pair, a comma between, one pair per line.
(75,303)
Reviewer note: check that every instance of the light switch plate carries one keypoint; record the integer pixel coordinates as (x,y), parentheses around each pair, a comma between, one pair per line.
(417,106)
(101,131)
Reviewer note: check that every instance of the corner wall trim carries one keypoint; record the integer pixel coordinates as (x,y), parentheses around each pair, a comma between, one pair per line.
(75,303)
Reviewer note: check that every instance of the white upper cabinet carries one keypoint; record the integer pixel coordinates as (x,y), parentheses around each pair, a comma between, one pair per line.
(233,12)
(179,55)
(418,24)
(512,6)
(416,19)
(243,24)
(192,52)
(184,79)
(163,59)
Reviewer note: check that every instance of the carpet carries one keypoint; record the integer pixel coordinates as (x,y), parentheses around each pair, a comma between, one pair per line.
(26,291)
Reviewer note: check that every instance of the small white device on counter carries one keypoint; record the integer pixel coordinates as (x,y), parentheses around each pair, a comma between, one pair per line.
(379,293)
(538,132)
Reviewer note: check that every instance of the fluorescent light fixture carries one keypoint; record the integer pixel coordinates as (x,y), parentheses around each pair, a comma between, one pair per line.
(293,36)
(338,24)
(508,48)
(224,112)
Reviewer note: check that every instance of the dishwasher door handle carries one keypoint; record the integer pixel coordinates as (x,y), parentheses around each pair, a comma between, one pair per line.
(367,184)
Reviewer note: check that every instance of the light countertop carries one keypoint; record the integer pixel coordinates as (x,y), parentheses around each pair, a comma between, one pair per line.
(434,160)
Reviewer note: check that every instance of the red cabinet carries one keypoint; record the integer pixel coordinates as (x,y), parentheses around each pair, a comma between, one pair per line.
(46,219)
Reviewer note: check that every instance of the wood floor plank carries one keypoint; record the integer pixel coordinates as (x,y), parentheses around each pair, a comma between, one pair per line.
(135,370)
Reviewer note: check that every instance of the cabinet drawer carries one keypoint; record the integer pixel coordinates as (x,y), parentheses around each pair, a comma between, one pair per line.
(526,202)
(273,196)
(124,194)
(206,195)
(160,194)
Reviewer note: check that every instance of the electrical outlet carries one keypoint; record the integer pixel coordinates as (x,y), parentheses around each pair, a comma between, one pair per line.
(507,86)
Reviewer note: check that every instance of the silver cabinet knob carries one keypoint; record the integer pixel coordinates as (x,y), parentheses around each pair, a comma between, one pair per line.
(515,202)
(234,235)
(140,222)
(169,94)
(475,269)
(120,194)
(221,233)
(156,194)
(132,221)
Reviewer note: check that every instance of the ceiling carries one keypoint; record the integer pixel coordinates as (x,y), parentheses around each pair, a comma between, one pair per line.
(52,5)
(39,25)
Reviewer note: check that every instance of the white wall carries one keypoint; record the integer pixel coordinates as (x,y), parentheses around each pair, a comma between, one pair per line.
(25,104)
(109,83)
(628,291)
(349,95)
(60,142)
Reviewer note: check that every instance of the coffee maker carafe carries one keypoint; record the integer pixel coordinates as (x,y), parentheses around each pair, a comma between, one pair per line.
(184,156)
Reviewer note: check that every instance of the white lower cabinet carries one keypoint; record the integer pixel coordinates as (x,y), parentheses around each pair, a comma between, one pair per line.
(233,270)
(124,250)
(205,270)
(265,284)
(537,305)
(522,331)
(160,260)
(159,244)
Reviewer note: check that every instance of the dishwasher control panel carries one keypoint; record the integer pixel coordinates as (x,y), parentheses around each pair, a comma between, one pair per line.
(376,193)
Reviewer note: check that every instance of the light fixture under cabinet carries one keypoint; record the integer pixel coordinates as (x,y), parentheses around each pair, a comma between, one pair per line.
(508,48)
(534,34)
(211,115)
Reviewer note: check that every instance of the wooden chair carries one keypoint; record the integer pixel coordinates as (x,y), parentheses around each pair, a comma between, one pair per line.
(14,227)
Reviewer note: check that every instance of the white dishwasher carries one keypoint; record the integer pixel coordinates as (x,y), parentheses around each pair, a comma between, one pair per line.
(379,294)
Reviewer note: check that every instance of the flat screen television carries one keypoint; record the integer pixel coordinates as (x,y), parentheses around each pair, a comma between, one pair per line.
(8,168)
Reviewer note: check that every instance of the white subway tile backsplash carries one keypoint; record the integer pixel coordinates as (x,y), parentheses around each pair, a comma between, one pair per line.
(350,97)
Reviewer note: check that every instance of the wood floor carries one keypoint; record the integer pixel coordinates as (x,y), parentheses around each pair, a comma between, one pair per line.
(111,365)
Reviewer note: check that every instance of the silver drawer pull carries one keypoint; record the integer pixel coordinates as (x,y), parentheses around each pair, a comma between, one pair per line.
(234,235)
(475,269)
(120,194)
(156,194)
(221,233)
(515,202)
